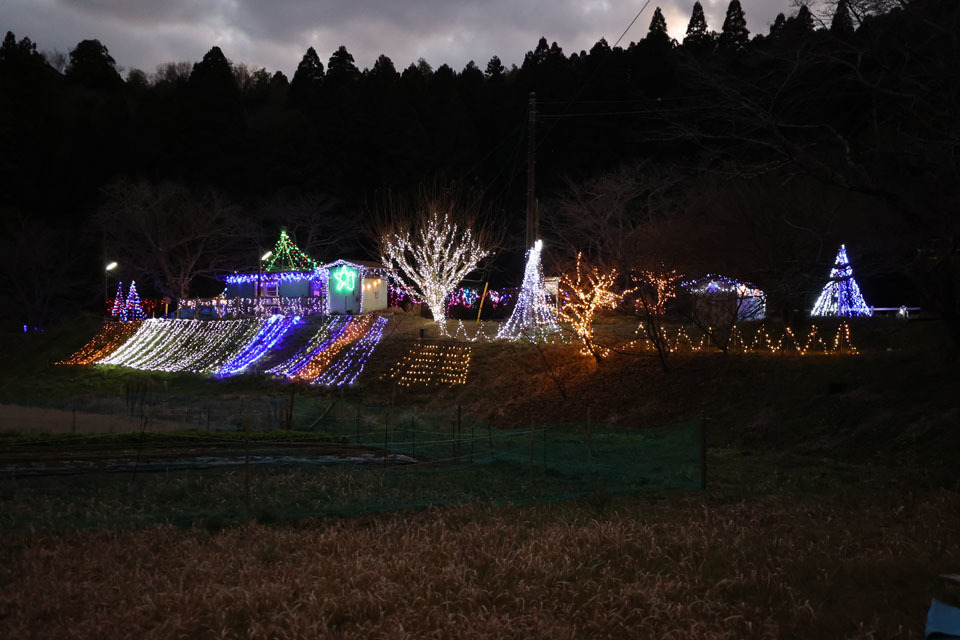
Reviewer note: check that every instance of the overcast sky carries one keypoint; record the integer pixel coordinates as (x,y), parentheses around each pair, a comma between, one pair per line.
(276,33)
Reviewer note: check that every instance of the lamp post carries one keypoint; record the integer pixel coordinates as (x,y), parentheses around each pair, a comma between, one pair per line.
(106,276)
(265,256)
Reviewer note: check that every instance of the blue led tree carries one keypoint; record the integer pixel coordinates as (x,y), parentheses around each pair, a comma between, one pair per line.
(841,295)
(118,303)
(532,315)
(133,309)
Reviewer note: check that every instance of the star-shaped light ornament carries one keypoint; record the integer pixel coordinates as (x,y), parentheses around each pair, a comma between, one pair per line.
(346,278)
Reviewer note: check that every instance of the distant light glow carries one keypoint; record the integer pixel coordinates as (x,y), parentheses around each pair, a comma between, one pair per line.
(111,266)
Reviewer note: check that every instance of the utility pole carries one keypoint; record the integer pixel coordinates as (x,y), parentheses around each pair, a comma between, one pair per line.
(533,223)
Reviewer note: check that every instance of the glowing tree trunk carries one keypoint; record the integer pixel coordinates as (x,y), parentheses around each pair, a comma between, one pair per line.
(532,315)
(431,260)
(841,295)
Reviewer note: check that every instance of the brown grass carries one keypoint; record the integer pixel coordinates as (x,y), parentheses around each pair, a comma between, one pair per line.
(685,567)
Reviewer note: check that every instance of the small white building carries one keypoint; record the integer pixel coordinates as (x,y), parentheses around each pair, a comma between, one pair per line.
(356,286)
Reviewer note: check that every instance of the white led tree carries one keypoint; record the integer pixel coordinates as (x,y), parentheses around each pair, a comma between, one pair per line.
(431,259)
(432,238)
(532,316)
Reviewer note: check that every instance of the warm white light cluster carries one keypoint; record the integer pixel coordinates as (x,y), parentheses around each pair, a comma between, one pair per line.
(197,346)
(761,341)
(432,260)
(533,315)
(431,365)
(583,297)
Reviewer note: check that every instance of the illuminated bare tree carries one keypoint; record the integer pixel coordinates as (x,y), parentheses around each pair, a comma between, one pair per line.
(432,241)
(583,296)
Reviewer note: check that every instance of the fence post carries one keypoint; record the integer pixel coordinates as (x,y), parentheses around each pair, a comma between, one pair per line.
(386,431)
(459,428)
(473,430)
(703,453)
(589,437)
(74,425)
(358,423)
(544,447)
(490,439)
(413,432)
(532,436)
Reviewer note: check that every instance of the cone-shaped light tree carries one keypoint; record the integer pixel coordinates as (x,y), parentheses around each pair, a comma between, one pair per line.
(133,309)
(841,295)
(532,316)
(119,304)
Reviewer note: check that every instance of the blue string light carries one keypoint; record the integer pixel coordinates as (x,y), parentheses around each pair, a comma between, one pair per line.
(841,295)
(348,367)
(272,331)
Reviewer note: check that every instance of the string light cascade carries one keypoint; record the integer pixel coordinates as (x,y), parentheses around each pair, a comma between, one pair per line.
(760,341)
(533,315)
(273,330)
(329,330)
(196,346)
(288,257)
(354,330)
(346,369)
(432,260)
(583,297)
(433,365)
(841,295)
(105,342)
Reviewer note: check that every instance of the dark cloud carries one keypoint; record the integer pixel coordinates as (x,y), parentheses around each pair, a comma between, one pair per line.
(145,33)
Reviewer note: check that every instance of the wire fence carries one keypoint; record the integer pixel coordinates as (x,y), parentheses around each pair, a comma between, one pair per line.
(349,460)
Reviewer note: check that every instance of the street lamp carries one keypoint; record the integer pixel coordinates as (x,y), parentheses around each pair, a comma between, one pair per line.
(106,275)
(265,256)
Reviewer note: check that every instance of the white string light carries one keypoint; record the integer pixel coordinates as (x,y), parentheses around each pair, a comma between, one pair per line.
(532,316)
(432,261)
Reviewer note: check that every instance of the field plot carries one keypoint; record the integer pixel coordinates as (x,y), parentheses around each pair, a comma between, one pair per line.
(374,461)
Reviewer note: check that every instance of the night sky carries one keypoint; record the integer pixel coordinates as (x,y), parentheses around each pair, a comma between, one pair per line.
(144,33)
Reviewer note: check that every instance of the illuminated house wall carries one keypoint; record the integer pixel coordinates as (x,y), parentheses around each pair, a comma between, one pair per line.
(718,300)
(356,286)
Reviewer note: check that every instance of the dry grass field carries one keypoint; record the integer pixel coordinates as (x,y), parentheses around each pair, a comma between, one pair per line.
(777,561)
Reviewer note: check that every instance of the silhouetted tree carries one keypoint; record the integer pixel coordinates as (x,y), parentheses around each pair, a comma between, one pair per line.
(341,70)
(734,36)
(698,39)
(776,29)
(214,75)
(658,29)
(495,69)
(307,81)
(92,66)
(842,23)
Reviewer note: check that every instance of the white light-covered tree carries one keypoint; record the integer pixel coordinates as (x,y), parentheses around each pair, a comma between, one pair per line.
(433,240)
(533,317)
